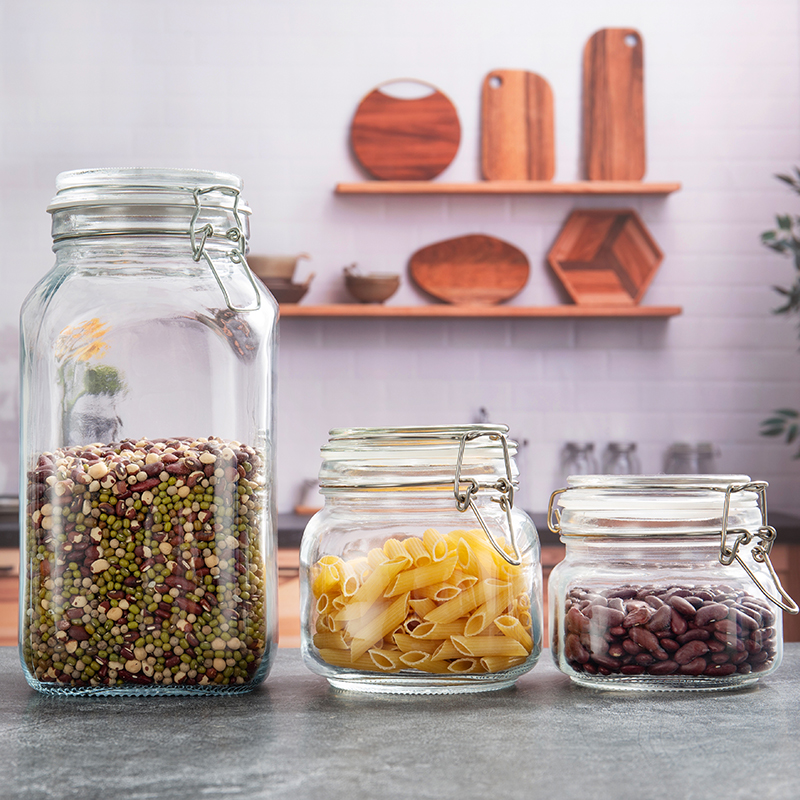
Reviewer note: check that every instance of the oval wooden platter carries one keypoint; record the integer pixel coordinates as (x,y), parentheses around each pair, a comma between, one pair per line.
(401,139)
(470,270)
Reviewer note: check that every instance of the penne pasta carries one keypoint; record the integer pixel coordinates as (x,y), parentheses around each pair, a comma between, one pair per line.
(385,660)
(384,623)
(332,641)
(480,646)
(423,603)
(376,556)
(341,658)
(422,607)
(495,605)
(324,603)
(439,630)
(416,578)
(394,549)
(408,643)
(463,580)
(446,650)
(327,579)
(512,627)
(440,592)
(424,662)
(500,663)
(465,602)
(436,544)
(464,665)
(418,552)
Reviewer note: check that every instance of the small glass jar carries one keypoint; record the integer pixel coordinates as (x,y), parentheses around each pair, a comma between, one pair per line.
(666,583)
(620,458)
(147,509)
(419,574)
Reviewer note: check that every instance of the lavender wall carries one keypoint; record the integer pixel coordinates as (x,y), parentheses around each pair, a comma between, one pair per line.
(267,90)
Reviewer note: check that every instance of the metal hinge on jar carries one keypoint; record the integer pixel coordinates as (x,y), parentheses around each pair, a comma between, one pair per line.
(504,486)
(199,236)
(729,551)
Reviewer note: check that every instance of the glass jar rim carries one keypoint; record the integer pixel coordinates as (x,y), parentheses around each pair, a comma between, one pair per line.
(152,186)
(416,456)
(415,437)
(625,506)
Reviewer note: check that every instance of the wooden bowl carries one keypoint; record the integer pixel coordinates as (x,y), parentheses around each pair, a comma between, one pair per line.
(285,291)
(275,267)
(377,287)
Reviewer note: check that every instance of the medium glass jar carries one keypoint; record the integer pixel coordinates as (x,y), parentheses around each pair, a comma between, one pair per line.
(419,574)
(666,583)
(147,509)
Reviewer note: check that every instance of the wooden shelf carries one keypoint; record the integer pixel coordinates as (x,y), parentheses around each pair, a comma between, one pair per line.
(509,187)
(500,312)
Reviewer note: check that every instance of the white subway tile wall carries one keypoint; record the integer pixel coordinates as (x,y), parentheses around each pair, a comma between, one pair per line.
(267,90)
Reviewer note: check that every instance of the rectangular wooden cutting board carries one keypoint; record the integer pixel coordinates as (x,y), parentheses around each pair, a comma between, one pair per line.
(613,106)
(517,128)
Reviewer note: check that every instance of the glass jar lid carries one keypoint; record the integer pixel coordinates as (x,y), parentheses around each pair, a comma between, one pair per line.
(139,186)
(732,508)
(466,460)
(415,455)
(201,206)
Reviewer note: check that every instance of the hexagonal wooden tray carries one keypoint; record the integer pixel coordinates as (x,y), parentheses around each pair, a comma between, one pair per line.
(605,257)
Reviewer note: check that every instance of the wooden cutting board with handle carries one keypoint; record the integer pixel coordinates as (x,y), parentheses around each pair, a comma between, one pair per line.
(517,128)
(398,138)
(470,270)
(613,106)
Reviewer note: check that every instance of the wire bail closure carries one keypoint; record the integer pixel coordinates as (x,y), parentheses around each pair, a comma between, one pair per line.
(760,552)
(235,235)
(504,486)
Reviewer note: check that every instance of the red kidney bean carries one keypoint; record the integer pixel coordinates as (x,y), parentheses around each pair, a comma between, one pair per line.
(694,631)
(714,670)
(690,651)
(682,606)
(637,617)
(605,617)
(710,613)
(663,668)
(696,667)
(661,620)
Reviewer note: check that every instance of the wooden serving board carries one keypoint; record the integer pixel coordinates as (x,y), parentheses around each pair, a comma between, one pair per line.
(517,128)
(605,257)
(402,139)
(470,270)
(613,106)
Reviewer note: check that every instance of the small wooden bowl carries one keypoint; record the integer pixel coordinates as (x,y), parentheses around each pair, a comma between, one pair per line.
(377,287)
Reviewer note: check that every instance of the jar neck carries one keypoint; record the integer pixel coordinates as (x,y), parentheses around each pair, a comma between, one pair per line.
(662,550)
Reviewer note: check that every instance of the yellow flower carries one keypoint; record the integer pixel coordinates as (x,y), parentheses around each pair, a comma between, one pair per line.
(82,341)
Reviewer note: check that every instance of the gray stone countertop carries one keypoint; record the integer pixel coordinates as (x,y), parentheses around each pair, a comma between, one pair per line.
(296,738)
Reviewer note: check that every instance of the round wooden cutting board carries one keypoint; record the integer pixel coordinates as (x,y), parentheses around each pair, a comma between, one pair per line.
(470,270)
(396,138)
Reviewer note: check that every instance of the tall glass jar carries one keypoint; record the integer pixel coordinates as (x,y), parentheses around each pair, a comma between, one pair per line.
(666,583)
(419,574)
(147,508)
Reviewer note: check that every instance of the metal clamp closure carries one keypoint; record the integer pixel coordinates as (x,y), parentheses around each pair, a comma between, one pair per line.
(235,235)
(729,551)
(553,514)
(505,487)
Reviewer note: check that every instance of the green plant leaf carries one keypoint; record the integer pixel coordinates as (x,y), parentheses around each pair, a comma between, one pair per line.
(784,222)
(767,235)
(788,412)
(791,434)
(772,432)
